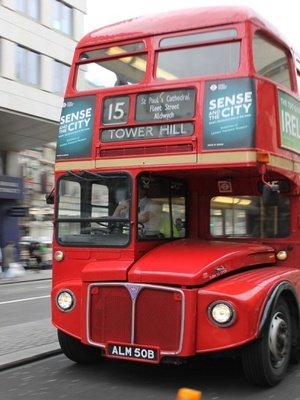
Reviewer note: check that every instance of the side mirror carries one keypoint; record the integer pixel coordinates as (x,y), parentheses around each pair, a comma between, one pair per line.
(50,197)
(270,195)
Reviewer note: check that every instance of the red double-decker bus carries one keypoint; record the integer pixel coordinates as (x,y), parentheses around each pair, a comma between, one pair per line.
(177,194)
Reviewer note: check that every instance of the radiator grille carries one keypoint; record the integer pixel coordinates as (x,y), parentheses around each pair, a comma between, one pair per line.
(136,314)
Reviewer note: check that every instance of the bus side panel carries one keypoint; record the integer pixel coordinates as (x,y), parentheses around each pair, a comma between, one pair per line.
(248,293)
(68,321)
(272,105)
(266,116)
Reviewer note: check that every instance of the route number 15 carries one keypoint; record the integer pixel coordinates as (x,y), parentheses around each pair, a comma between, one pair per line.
(115,110)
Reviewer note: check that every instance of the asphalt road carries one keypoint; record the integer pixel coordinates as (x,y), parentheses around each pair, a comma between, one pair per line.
(25,329)
(24,302)
(58,378)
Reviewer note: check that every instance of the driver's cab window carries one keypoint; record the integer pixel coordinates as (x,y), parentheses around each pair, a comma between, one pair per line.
(161,208)
(99,201)
(86,209)
(69,198)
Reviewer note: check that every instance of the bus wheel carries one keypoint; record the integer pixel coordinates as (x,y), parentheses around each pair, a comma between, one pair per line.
(266,359)
(76,351)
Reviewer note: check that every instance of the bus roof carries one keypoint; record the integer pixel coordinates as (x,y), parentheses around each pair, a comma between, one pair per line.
(175,21)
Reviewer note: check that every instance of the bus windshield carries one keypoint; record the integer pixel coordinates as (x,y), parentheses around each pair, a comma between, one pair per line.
(86,202)
(95,209)
(161,208)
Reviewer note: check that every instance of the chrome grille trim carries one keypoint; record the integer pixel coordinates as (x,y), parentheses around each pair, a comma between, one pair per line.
(139,287)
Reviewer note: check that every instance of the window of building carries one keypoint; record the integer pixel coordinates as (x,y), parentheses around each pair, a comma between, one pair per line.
(62,17)
(60,76)
(28,66)
(271,61)
(29,7)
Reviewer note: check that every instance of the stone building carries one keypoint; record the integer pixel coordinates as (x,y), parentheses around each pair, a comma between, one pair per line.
(37,40)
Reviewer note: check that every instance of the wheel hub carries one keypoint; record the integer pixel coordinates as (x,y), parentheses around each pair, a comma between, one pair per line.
(278,340)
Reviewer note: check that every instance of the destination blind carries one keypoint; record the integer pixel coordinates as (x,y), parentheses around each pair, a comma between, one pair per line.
(169,105)
(150,107)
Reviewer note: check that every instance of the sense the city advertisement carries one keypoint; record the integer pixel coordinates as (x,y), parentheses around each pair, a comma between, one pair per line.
(76,128)
(229,114)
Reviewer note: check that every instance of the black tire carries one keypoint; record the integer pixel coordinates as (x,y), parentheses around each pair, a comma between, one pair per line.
(266,359)
(77,351)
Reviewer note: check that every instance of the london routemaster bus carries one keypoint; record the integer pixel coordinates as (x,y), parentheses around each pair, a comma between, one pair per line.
(177,193)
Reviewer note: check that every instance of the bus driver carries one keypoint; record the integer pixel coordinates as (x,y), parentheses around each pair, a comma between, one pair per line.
(149,212)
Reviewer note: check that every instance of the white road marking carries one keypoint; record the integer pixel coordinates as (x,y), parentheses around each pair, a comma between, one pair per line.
(26,299)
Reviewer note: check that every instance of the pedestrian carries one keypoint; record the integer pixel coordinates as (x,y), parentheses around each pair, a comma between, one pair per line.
(9,256)
(38,253)
(1,271)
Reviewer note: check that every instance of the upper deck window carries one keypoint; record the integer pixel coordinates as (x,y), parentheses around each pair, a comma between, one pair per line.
(219,58)
(271,61)
(112,66)
(199,38)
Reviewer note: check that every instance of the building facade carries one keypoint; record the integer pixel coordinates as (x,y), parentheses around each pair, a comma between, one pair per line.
(37,40)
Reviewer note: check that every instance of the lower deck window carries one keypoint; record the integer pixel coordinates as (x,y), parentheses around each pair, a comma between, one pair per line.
(246,216)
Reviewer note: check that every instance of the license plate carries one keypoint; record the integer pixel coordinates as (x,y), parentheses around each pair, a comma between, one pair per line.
(133,352)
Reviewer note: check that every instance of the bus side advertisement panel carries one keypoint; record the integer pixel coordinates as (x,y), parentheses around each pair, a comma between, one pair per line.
(229,114)
(289,112)
(76,128)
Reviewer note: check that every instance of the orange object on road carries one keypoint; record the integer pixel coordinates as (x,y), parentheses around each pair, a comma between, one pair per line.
(188,394)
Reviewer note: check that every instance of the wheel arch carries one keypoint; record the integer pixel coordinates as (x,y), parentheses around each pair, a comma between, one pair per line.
(286,291)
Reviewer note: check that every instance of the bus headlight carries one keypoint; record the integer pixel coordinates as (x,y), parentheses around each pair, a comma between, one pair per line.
(222,313)
(65,300)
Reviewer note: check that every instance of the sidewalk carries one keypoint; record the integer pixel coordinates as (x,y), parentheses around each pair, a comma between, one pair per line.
(28,341)
(30,275)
